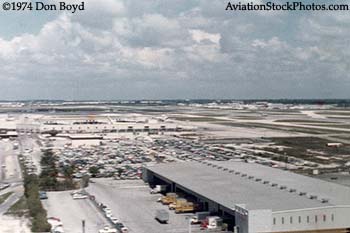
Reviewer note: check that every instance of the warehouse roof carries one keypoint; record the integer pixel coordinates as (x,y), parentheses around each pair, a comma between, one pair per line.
(243,183)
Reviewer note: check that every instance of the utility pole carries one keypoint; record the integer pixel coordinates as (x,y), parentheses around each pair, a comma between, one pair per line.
(83,225)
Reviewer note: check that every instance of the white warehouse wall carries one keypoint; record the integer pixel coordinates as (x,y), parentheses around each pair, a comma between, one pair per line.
(259,221)
(332,217)
(252,221)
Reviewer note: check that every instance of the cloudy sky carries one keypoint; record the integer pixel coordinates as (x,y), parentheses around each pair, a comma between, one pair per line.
(160,49)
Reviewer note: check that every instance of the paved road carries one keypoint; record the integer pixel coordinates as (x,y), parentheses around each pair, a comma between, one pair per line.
(11,173)
(10,170)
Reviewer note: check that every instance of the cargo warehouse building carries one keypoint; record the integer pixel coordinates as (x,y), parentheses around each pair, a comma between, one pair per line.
(258,198)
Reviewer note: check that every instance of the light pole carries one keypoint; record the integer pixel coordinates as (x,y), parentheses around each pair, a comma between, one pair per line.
(189,218)
(83,225)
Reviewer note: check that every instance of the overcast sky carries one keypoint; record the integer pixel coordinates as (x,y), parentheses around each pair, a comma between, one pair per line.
(160,49)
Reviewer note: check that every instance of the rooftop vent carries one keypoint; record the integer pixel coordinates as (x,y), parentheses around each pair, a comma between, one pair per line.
(302,193)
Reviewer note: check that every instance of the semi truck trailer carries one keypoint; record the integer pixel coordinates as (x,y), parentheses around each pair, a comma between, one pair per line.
(162,215)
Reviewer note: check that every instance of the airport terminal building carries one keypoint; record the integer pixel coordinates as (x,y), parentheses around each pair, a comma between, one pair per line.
(258,198)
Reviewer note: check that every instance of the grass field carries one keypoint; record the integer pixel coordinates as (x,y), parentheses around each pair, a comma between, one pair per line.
(301,121)
(297,129)
(334,113)
(4,197)
(302,147)
(20,208)
(196,119)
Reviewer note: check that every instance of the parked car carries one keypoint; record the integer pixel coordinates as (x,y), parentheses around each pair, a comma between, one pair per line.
(114,220)
(43,195)
(108,230)
(79,196)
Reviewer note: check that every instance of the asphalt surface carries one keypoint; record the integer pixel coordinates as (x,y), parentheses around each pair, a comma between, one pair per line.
(71,212)
(10,173)
(9,167)
(131,202)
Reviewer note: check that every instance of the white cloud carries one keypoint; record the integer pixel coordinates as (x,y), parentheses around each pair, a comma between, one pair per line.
(199,36)
(124,48)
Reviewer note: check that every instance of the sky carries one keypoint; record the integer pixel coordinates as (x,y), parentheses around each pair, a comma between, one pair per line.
(178,49)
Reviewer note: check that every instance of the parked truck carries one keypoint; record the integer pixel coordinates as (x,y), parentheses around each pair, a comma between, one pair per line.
(212,222)
(169,198)
(185,207)
(158,189)
(199,217)
(178,202)
(162,215)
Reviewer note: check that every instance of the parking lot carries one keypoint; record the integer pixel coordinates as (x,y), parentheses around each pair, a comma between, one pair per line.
(71,212)
(131,202)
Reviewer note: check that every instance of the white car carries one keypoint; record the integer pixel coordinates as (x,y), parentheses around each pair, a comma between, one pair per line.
(114,220)
(125,230)
(107,230)
(76,192)
(107,210)
(109,214)
(79,196)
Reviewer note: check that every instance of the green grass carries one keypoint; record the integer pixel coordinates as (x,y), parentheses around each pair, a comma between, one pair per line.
(281,112)
(214,114)
(334,113)
(296,129)
(20,208)
(339,118)
(4,197)
(247,117)
(340,126)
(300,148)
(196,119)
(342,136)
(301,121)
(318,123)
